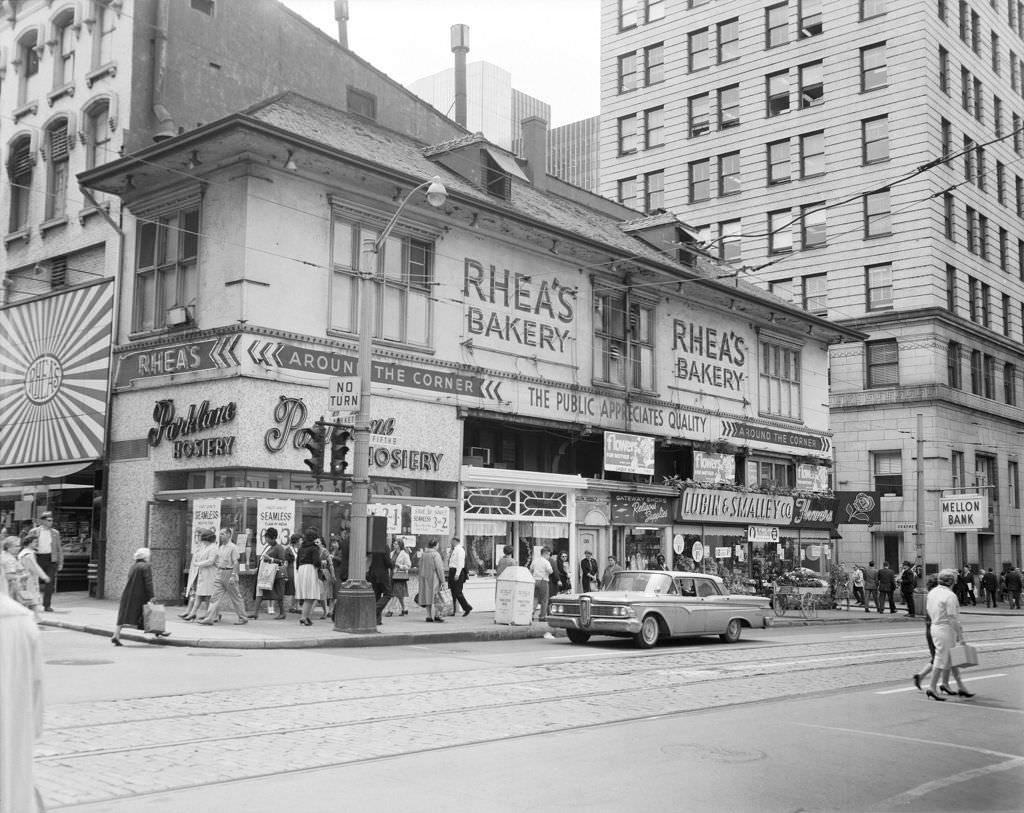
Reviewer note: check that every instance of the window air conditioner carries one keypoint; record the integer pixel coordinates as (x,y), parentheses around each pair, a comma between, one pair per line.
(178,315)
(481,452)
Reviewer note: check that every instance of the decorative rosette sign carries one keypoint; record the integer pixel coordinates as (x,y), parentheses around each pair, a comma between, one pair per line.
(54,368)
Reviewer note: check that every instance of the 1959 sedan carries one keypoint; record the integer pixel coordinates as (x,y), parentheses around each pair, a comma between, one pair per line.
(648,605)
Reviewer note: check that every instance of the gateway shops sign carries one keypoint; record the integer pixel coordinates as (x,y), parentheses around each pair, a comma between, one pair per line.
(178,429)
(710,505)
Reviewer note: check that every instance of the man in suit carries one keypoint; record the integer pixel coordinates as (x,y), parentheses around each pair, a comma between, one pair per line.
(871,587)
(886,588)
(588,572)
(908,581)
(49,555)
(457,576)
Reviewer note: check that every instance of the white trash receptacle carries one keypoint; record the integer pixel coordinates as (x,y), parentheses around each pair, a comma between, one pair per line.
(513,597)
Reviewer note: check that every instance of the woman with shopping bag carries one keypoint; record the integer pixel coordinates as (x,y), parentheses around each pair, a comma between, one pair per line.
(432,579)
(270,577)
(137,595)
(943,609)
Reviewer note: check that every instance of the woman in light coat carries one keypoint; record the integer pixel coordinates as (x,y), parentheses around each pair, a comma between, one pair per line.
(11,571)
(33,573)
(205,564)
(432,579)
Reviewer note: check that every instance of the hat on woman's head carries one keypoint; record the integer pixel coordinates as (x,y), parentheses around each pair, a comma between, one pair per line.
(207,535)
(142,555)
(947,576)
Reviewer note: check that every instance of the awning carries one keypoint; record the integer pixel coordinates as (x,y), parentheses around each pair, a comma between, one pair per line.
(507,163)
(24,475)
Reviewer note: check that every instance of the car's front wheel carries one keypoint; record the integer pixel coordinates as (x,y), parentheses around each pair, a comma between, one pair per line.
(577,636)
(732,632)
(649,632)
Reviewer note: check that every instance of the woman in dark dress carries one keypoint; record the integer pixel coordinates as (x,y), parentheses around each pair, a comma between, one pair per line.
(379,576)
(138,590)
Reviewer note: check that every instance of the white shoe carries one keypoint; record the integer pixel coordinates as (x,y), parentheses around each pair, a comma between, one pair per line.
(548,635)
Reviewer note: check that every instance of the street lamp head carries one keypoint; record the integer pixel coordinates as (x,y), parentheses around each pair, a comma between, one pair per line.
(436,193)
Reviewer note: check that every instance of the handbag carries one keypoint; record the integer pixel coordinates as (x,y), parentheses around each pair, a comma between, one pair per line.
(963,655)
(443,602)
(400,576)
(154,618)
(265,575)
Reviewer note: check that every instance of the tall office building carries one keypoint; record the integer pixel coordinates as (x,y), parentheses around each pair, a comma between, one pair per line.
(864,160)
(573,152)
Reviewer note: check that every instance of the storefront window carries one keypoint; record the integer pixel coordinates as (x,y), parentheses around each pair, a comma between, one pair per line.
(641,547)
(484,540)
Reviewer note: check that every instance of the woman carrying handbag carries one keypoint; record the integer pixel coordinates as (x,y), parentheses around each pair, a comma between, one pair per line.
(400,576)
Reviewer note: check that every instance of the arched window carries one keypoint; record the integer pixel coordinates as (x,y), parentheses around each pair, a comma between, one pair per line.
(19,171)
(65,38)
(58,145)
(28,67)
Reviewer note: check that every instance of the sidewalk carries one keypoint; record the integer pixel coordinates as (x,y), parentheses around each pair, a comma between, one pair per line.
(78,612)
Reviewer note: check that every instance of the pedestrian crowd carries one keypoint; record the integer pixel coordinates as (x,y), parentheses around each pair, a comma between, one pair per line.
(29,565)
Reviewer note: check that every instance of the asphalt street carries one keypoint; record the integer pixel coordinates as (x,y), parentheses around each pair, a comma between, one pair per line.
(791,719)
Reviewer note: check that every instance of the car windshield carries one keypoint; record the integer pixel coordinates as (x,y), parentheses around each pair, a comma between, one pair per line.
(642,582)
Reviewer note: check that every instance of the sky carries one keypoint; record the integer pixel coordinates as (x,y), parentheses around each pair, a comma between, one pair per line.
(550,47)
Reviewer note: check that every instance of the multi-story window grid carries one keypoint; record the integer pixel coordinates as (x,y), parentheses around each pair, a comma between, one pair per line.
(729,107)
(617,333)
(627,72)
(57,178)
(730,240)
(776,25)
(697,54)
(815,293)
(166,267)
(780,381)
(780,231)
(813,231)
(627,191)
(887,468)
(812,87)
(989,372)
(627,134)
(883,363)
(654,127)
(778,162)
(871,8)
(729,174)
(877,218)
(777,90)
(954,375)
(875,139)
(810,23)
(728,40)
(812,154)
(958,471)
(700,180)
(878,284)
(403,282)
(948,217)
(943,70)
(654,190)
(1010,384)
(951,288)
(976,372)
(1013,489)
(654,64)
(699,114)
(873,69)
(19,170)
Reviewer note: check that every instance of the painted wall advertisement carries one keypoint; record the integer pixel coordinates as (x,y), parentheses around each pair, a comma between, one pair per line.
(641,509)
(632,454)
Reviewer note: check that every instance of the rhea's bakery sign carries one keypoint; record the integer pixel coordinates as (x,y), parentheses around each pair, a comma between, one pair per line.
(179,429)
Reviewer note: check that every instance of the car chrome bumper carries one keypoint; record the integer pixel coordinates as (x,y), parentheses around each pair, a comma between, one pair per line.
(598,626)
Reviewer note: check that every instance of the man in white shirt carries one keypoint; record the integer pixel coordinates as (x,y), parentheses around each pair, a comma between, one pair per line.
(457,576)
(541,569)
(49,555)
(226,583)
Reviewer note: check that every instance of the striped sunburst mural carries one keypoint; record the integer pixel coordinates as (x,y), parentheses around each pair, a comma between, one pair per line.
(54,365)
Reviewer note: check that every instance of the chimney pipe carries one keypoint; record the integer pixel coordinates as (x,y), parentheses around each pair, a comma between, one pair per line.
(341,15)
(460,47)
(535,150)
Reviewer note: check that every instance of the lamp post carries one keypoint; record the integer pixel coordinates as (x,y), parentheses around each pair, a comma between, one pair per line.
(354,609)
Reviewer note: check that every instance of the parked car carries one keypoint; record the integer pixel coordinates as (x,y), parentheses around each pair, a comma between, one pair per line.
(649,605)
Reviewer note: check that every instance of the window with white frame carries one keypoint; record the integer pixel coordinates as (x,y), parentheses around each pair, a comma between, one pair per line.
(815,293)
(875,139)
(654,64)
(777,93)
(877,217)
(729,107)
(882,359)
(655,10)
(776,25)
(166,265)
(627,72)
(700,180)
(812,84)
(627,134)
(698,54)
(873,68)
(779,170)
(103,34)
(810,24)
(654,127)
(628,17)
(730,240)
(402,279)
(700,114)
(780,231)
(958,469)
(57,146)
(654,190)
(20,163)
(779,381)
(729,174)
(29,48)
(813,229)
(812,154)
(728,40)
(888,473)
(985,475)
(627,191)
(617,334)
(64,56)
(878,283)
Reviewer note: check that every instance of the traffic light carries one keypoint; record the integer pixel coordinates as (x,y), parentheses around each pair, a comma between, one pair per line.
(316,445)
(339,450)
